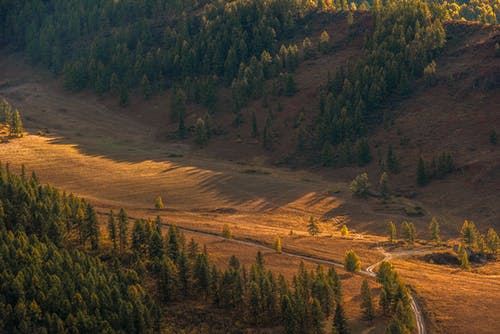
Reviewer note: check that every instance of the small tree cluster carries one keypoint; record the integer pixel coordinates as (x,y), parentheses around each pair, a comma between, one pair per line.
(360,185)
(12,119)
(395,300)
(437,168)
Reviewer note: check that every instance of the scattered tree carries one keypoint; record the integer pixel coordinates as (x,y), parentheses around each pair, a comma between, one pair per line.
(277,245)
(352,262)
(391,231)
(159,203)
(367,301)
(360,185)
(434,230)
(344,231)
(408,232)
(226,232)
(313,227)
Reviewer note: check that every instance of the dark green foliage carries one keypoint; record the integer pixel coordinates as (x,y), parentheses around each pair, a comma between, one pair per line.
(493,136)
(469,233)
(327,157)
(360,185)
(123,230)
(313,227)
(351,262)
(363,152)
(12,118)
(421,173)
(395,300)
(367,302)
(44,211)
(49,289)
(405,40)
(384,186)
(339,321)
(434,230)
(392,161)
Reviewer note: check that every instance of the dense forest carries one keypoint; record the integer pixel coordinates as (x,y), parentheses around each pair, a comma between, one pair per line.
(196,47)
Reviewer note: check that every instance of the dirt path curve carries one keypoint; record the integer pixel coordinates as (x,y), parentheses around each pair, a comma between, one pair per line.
(419,318)
(369,271)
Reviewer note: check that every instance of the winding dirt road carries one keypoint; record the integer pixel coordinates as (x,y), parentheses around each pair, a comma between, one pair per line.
(369,271)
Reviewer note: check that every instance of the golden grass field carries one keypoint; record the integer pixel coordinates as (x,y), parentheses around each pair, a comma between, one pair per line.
(118,158)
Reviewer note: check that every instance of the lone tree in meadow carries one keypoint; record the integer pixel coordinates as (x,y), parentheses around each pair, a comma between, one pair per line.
(277,245)
(367,301)
(313,227)
(434,230)
(159,203)
(352,262)
(344,231)
(226,232)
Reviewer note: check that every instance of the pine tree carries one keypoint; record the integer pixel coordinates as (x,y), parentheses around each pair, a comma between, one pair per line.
(16,126)
(422,177)
(201,133)
(469,234)
(159,203)
(112,230)
(287,315)
(352,262)
(367,301)
(392,162)
(181,129)
(492,240)
(339,321)
(391,231)
(226,232)
(173,243)
(434,230)
(384,185)
(313,227)
(122,230)
(254,304)
(463,257)
(92,227)
(317,317)
(277,245)
(408,232)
